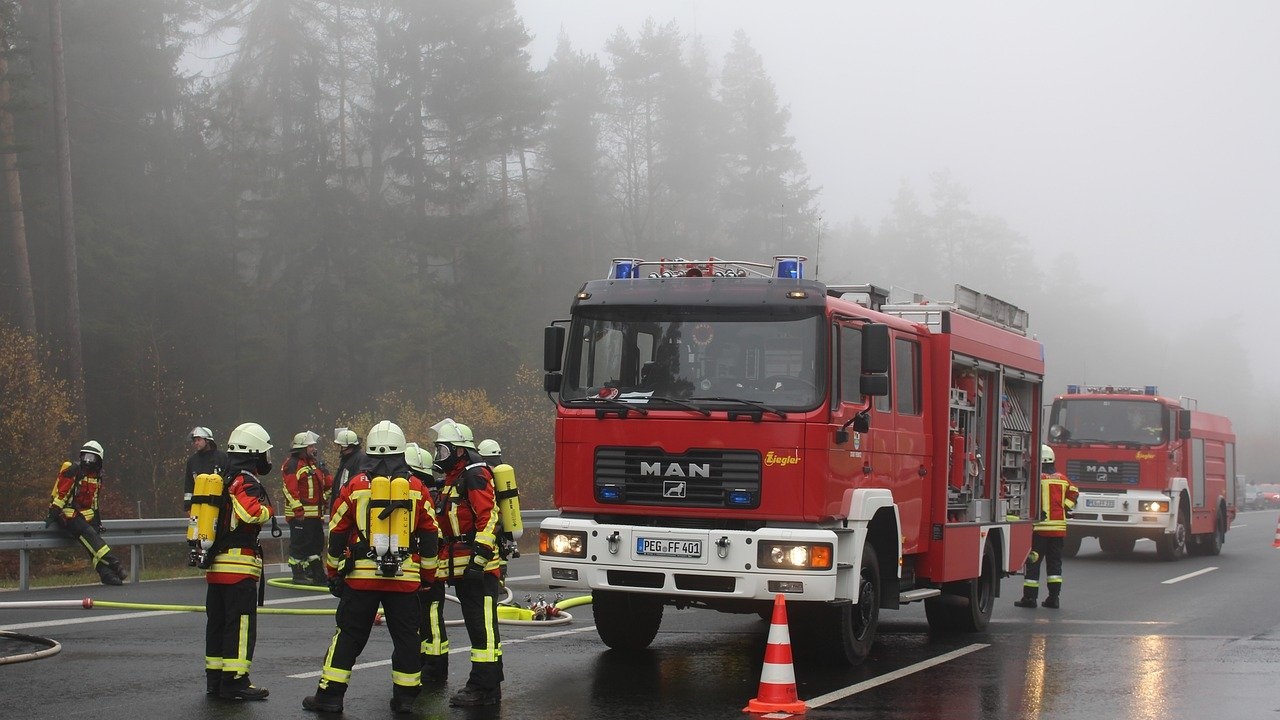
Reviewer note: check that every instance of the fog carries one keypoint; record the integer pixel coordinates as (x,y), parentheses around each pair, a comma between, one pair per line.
(1139,137)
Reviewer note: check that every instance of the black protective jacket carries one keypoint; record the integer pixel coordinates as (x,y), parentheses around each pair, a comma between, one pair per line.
(211,460)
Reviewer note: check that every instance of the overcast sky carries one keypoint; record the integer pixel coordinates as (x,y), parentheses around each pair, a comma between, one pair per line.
(1141,136)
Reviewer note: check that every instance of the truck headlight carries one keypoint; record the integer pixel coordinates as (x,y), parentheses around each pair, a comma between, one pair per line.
(1153,506)
(562,543)
(794,556)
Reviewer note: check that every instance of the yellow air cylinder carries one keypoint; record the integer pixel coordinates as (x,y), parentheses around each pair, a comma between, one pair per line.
(193,517)
(508,499)
(399,529)
(379,523)
(207,524)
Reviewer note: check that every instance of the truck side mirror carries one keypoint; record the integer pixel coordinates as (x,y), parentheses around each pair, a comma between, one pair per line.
(873,385)
(1184,424)
(551,382)
(875,349)
(552,348)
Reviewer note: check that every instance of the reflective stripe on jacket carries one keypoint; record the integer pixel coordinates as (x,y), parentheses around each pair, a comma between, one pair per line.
(238,558)
(1057,498)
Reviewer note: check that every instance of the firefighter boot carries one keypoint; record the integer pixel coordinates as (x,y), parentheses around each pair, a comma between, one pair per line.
(1052,601)
(299,573)
(435,670)
(470,695)
(402,699)
(1028,597)
(116,567)
(107,575)
(315,573)
(328,699)
(212,681)
(238,687)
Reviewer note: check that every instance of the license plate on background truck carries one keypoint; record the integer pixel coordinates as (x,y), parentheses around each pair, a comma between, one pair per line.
(1099,503)
(669,547)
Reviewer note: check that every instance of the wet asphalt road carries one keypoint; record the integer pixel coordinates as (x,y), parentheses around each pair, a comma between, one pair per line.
(1136,638)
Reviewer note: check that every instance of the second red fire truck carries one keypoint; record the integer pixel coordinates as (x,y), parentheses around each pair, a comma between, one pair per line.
(730,431)
(1147,466)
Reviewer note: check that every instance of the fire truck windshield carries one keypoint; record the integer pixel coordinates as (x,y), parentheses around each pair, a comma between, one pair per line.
(1105,421)
(708,359)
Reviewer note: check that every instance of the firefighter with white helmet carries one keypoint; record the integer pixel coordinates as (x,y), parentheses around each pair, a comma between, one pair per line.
(73,508)
(1057,500)
(469,560)
(306,498)
(382,545)
(350,459)
(233,565)
(207,458)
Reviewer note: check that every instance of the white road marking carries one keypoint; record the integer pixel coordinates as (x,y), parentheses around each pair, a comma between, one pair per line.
(455,651)
(1188,576)
(890,677)
(144,614)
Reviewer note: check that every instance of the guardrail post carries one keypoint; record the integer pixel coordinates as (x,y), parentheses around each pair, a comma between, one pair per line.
(24,570)
(135,562)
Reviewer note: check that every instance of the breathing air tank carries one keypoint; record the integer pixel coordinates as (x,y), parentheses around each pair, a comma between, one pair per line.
(379,521)
(399,529)
(207,524)
(507,495)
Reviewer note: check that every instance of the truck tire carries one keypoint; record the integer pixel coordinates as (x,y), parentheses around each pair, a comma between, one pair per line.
(1116,545)
(965,606)
(1211,544)
(626,621)
(844,632)
(1173,546)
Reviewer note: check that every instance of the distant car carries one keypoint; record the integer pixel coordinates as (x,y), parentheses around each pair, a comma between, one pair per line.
(1253,499)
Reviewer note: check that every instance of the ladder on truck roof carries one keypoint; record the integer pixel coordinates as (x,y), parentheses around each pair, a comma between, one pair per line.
(968,302)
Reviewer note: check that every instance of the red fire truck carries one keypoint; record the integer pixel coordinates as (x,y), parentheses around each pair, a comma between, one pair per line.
(728,431)
(1147,467)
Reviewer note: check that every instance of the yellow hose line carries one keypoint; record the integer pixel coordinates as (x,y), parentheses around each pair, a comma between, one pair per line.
(290,585)
(574,602)
(200,608)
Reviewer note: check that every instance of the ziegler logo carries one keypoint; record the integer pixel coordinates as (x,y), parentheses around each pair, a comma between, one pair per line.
(674,488)
(772,458)
(1145,455)
(692,470)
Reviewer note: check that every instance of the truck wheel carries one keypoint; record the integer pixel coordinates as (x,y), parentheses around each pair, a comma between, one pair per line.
(1116,545)
(844,632)
(965,606)
(626,621)
(1071,547)
(1211,544)
(1173,546)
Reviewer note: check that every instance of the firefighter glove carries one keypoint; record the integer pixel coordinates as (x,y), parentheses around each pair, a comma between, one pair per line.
(474,569)
(337,586)
(54,517)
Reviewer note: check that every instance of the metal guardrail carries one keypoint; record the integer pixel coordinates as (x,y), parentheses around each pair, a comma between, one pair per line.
(26,537)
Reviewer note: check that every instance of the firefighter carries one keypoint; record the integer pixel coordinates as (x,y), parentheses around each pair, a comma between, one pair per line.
(469,555)
(1057,501)
(435,642)
(306,497)
(382,528)
(507,499)
(206,459)
(74,510)
(233,566)
(350,459)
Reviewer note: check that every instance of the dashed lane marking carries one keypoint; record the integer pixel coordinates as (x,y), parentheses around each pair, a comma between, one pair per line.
(1189,575)
(895,675)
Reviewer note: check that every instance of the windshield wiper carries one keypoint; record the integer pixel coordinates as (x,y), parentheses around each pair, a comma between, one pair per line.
(621,406)
(681,403)
(749,403)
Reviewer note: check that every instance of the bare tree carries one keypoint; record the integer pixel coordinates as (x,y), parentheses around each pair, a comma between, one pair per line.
(13,195)
(66,214)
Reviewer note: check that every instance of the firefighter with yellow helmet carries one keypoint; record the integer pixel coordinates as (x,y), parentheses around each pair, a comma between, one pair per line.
(469,560)
(382,532)
(73,509)
(1057,500)
(306,498)
(234,512)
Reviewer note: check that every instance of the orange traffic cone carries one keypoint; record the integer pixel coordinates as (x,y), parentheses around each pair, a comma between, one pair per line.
(777,691)
(1276,542)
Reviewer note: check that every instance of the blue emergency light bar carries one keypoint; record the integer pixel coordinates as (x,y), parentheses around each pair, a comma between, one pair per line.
(629,268)
(1112,390)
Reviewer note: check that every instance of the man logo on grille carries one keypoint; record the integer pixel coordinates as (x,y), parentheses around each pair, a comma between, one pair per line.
(673,488)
